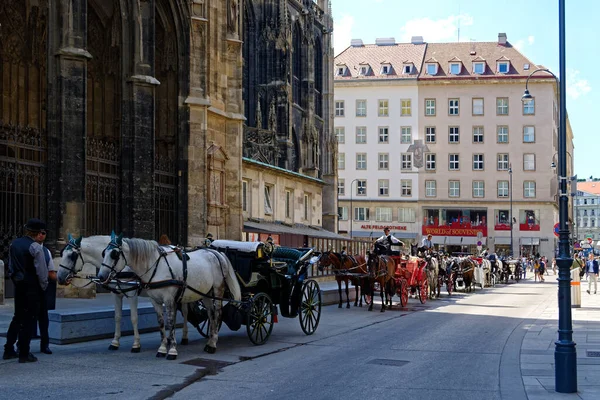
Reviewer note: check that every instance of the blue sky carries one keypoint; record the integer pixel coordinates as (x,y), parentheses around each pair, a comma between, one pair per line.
(531,26)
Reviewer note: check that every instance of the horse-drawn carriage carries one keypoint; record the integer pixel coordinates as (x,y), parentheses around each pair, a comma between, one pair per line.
(410,277)
(269,277)
(510,269)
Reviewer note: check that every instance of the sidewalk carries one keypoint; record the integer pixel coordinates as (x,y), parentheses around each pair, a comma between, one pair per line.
(537,348)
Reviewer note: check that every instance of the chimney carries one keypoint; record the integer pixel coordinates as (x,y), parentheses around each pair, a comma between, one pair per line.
(385,41)
(356,43)
(416,40)
(502,39)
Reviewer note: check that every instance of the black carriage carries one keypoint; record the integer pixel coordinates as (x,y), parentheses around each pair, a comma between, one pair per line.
(269,277)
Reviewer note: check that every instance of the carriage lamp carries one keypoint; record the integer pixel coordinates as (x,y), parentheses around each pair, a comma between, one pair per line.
(565,355)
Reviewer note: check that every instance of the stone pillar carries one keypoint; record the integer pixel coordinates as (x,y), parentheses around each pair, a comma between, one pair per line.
(67,129)
(138,143)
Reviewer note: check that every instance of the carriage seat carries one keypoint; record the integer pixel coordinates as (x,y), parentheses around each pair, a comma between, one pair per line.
(243,255)
(289,256)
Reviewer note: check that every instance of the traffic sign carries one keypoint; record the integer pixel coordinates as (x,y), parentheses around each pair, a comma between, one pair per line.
(479,244)
(556,226)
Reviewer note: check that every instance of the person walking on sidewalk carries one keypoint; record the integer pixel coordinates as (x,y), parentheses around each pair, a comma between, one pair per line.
(591,268)
(29,273)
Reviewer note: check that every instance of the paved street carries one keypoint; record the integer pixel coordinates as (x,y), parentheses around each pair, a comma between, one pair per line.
(474,346)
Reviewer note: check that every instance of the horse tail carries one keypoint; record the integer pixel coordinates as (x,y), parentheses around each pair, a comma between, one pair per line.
(231,280)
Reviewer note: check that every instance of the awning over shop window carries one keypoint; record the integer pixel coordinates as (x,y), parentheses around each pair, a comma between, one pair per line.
(502,240)
(375,235)
(457,240)
(275,228)
(532,241)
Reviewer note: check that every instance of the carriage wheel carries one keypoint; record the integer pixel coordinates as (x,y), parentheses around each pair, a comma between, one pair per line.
(517,274)
(450,284)
(310,309)
(259,322)
(403,293)
(423,291)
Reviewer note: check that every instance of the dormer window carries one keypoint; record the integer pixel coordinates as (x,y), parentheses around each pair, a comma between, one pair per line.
(503,67)
(386,69)
(455,68)
(431,69)
(407,68)
(478,68)
(341,71)
(363,70)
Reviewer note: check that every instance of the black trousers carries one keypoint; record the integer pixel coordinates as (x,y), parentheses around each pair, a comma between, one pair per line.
(27,306)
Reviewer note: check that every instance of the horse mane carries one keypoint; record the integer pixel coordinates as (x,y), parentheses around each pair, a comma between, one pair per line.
(141,251)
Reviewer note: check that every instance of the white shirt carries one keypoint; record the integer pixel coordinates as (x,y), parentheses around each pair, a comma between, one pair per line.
(427,243)
(385,240)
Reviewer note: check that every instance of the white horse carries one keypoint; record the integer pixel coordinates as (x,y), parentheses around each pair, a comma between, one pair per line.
(89,251)
(169,280)
(432,269)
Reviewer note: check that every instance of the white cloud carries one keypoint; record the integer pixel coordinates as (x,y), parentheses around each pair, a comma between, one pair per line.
(531,40)
(576,86)
(342,33)
(439,30)
(519,45)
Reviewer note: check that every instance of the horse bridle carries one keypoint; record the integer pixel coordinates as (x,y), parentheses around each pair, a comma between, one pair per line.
(78,255)
(116,252)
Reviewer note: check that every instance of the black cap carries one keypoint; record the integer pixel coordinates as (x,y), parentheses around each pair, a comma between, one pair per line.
(209,235)
(35,225)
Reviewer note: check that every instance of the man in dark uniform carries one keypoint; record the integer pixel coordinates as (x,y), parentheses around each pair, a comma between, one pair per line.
(29,273)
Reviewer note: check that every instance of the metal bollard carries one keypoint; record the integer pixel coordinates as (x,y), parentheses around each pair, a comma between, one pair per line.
(575,288)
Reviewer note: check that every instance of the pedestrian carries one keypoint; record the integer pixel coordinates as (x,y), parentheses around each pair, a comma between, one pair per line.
(554,266)
(591,268)
(29,273)
(536,270)
(542,269)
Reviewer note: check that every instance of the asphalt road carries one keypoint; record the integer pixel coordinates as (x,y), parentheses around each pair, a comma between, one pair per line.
(459,347)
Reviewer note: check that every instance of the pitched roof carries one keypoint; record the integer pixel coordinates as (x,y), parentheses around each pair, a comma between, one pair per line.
(589,187)
(396,55)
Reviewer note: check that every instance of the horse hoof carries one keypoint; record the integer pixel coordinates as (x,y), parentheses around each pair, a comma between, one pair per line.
(135,349)
(171,357)
(348,306)
(161,355)
(210,349)
(185,341)
(113,347)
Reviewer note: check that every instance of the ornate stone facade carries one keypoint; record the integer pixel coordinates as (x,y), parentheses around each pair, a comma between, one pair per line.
(121,114)
(288,87)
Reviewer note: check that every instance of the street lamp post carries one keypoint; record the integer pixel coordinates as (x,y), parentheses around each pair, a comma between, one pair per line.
(565,355)
(510,218)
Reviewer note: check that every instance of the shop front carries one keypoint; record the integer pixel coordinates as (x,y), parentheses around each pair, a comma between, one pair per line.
(406,233)
(456,230)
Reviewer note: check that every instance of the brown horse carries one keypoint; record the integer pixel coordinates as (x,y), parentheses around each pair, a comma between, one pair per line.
(346,269)
(465,272)
(381,269)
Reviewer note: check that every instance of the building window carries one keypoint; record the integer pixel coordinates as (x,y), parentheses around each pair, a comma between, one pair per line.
(341,71)
(361,134)
(361,214)
(405,135)
(502,106)
(502,162)
(361,160)
(477,162)
(478,134)
(405,187)
(431,69)
(341,161)
(453,162)
(288,204)
(268,199)
(529,189)
(430,134)
(429,107)
(383,214)
(503,189)
(453,134)
(528,162)
(341,187)
(406,161)
(453,106)
(361,187)
(340,134)
(339,108)
(529,107)
(245,196)
(364,70)
(455,68)
(385,69)
(383,108)
(384,161)
(503,67)
(406,215)
(528,134)
(384,187)
(454,188)
(478,68)
(430,189)
(361,108)
(407,68)
(430,161)
(343,213)
(477,106)
(478,189)
(383,134)
(306,207)
(405,107)
(502,134)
